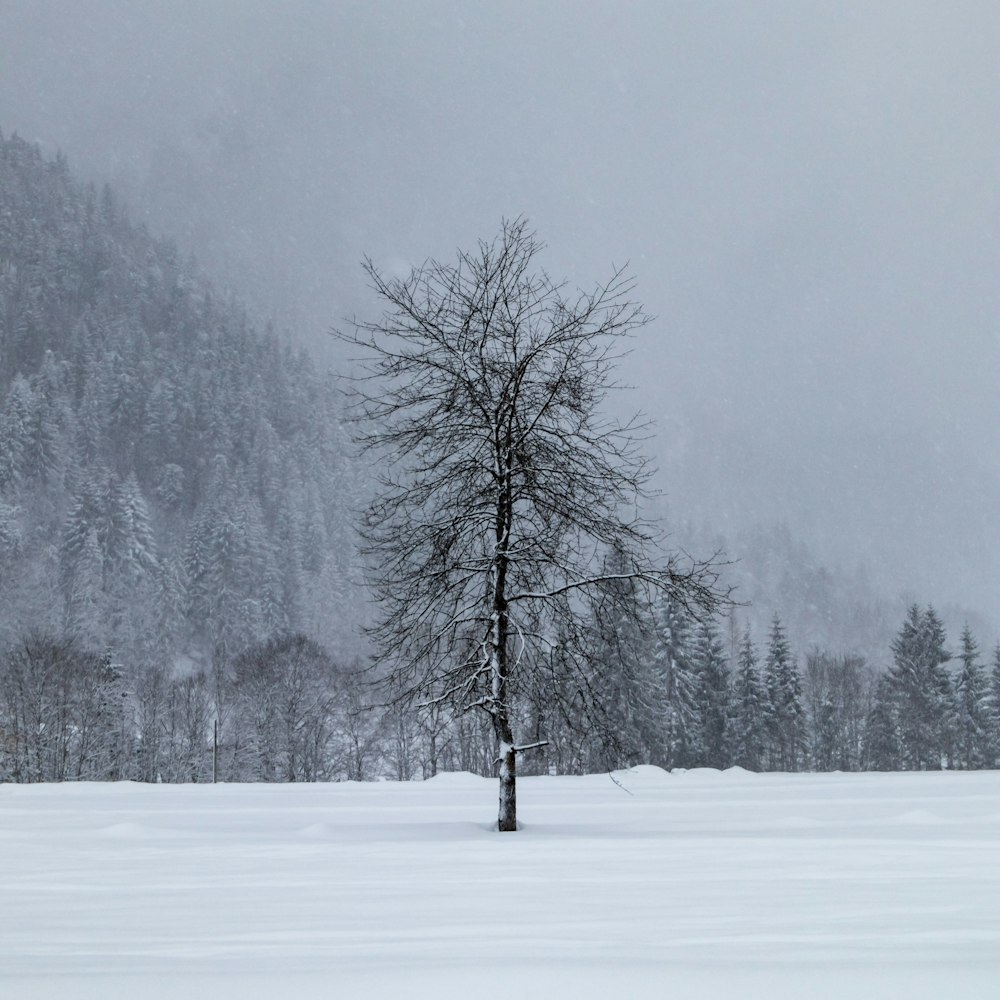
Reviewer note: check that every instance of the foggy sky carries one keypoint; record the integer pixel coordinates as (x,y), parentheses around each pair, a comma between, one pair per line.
(807,194)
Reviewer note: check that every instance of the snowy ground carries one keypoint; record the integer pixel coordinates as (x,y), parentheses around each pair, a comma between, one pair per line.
(698,885)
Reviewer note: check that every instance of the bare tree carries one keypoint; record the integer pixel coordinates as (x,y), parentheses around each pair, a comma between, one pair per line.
(503,484)
(285,696)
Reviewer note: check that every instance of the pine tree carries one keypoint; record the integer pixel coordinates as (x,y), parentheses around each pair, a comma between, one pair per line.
(713,696)
(921,691)
(131,545)
(234,584)
(82,531)
(169,603)
(784,716)
(994,703)
(133,573)
(941,684)
(46,451)
(679,682)
(882,738)
(86,612)
(162,421)
(16,433)
(973,730)
(11,532)
(748,720)
(625,675)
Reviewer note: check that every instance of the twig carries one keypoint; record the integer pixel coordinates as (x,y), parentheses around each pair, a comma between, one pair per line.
(620,785)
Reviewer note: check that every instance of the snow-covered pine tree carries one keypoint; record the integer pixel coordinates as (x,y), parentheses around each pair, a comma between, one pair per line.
(748,706)
(50,419)
(15,433)
(921,691)
(82,561)
(784,717)
(713,696)
(678,679)
(86,607)
(995,706)
(626,675)
(973,730)
(882,737)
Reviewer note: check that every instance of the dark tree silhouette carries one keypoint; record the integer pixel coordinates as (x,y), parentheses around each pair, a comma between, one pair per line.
(502,484)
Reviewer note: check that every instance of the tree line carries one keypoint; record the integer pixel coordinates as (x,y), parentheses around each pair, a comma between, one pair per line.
(284,710)
(679,694)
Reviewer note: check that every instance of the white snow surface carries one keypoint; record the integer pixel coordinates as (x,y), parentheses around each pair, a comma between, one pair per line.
(687,885)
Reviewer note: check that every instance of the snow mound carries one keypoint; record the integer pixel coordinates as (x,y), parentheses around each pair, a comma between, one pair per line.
(641,776)
(455,779)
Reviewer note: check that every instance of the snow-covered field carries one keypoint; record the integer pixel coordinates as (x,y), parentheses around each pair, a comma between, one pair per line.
(696,885)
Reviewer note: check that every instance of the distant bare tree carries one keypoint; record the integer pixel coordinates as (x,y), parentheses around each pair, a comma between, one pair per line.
(63,713)
(837,696)
(503,484)
(286,692)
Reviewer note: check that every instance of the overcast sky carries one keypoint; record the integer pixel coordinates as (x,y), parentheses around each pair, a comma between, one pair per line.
(807,193)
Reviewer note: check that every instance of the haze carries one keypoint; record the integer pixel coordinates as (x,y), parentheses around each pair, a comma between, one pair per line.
(807,194)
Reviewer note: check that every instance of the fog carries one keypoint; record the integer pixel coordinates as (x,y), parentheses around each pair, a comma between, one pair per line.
(807,195)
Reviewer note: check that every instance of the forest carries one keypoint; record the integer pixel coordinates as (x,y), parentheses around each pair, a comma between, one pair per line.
(180,582)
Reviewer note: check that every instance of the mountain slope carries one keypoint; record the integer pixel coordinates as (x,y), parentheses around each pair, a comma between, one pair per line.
(172,478)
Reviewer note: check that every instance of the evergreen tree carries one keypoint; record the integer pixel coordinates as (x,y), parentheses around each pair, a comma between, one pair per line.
(85,604)
(994,701)
(882,738)
(82,532)
(677,677)
(921,691)
(784,718)
(11,532)
(16,433)
(625,675)
(748,707)
(973,735)
(130,544)
(713,696)
(47,445)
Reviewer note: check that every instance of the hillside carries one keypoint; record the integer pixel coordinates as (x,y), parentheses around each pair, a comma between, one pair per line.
(174,480)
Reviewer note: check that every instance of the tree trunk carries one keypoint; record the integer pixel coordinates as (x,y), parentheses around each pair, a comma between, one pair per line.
(507,820)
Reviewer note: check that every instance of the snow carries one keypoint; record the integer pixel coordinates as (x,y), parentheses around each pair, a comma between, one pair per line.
(702,884)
